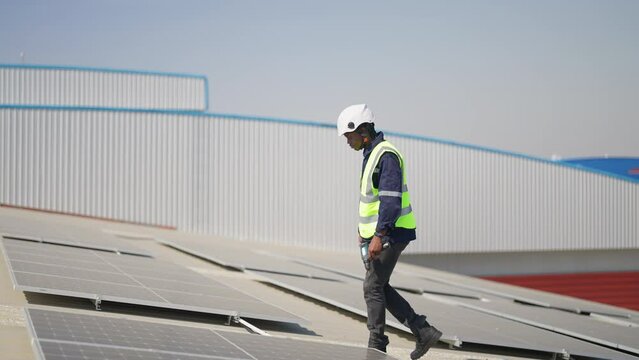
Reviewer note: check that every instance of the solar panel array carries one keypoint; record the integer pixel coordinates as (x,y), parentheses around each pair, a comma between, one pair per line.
(457,323)
(428,280)
(105,276)
(63,335)
(248,256)
(86,263)
(464,313)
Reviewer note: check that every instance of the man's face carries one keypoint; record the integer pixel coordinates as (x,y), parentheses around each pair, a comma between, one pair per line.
(355,140)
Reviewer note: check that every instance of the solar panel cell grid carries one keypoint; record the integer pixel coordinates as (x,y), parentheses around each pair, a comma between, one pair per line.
(60,261)
(85,274)
(266,349)
(209,289)
(71,351)
(89,289)
(123,333)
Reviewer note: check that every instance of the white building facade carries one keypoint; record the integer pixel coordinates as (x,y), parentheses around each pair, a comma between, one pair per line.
(156,156)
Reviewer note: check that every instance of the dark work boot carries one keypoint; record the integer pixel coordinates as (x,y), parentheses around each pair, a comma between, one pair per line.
(426,335)
(378,342)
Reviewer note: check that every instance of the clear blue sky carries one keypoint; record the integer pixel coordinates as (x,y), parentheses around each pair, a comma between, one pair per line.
(539,77)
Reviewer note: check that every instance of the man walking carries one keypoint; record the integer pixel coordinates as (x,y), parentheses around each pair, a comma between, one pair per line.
(385,216)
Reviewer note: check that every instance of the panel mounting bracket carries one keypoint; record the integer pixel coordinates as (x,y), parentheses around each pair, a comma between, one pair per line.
(96,302)
(565,355)
(453,342)
(232,319)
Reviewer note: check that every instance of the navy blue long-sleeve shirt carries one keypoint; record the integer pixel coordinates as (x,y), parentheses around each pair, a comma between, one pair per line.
(389,178)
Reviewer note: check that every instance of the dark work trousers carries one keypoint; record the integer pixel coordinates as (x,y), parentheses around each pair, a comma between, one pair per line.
(379,295)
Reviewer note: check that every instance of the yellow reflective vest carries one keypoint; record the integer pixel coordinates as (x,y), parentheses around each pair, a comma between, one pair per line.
(369,194)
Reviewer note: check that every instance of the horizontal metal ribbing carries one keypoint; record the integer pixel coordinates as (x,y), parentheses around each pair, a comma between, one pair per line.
(237,177)
(59,86)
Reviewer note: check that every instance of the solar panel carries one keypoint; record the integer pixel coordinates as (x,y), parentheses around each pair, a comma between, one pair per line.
(53,350)
(246,256)
(576,325)
(456,322)
(517,293)
(43,231)
(264,348)
(63,335)
(104,276)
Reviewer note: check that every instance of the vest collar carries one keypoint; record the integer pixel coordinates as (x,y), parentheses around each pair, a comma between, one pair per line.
(378,139)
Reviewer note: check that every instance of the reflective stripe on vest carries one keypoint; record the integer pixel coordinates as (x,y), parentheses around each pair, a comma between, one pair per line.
(373,219)
(372,198)
(369,195)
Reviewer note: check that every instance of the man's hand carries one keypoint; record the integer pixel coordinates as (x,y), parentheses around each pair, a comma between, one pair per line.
(375,248)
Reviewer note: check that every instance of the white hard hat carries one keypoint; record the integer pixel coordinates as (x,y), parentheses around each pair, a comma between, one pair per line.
(352,117)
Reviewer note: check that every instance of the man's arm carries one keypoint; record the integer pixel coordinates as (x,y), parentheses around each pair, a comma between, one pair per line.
(390,198)
(390,193)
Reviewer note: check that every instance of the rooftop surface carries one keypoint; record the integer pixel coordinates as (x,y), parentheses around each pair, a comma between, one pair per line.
(319,291)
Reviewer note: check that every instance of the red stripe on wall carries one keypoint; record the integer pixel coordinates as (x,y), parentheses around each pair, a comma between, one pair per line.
(613,288)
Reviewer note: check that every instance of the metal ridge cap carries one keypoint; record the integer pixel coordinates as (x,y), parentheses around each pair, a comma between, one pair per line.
(272,119)
(102,108)
(168,112)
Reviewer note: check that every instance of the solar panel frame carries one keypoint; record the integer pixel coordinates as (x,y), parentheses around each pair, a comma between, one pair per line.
(229,302)
(35,345)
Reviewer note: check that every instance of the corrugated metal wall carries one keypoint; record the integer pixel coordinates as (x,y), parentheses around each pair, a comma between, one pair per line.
(298,184)
(59,86)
